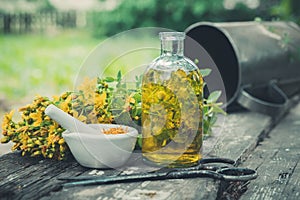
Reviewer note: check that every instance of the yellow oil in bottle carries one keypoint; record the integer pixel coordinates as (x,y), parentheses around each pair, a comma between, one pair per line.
(172,117)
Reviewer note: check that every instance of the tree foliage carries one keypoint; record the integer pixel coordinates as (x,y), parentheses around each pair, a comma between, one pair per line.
(179,14)
(167,13)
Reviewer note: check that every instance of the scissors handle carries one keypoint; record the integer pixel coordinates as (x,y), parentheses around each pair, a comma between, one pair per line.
(224,174)
(237,174)
(195,174)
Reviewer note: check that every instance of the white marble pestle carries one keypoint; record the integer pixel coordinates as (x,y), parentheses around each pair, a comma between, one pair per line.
(68,122)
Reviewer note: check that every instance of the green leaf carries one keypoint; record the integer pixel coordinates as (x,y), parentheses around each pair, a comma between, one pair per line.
(209,113)
(139,111)
(137,97)
(119,76)
(217,109)
(205,110)
(140,140)
(206,127)
(214,96)
(109,79)
(205,72)
(213,120)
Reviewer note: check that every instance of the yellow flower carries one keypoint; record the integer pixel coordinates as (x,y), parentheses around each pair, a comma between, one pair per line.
(105,119)
(42,131)
(92,117)
(61,141)
(52,139)
(65,105)
(62,148)
(22,129)
(24,108)
(25,116)
(52,128)
(7,119)
(5,139)
(15,146)
(80,118)
(100,100)
(65,95)
(37,118)
(88,87)
(55,98)
(130,99)
(38,99)
(24,138)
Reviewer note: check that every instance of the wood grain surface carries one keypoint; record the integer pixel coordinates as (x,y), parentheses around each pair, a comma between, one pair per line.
(250,139)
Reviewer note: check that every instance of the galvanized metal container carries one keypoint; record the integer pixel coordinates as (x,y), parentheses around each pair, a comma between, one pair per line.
(259,61)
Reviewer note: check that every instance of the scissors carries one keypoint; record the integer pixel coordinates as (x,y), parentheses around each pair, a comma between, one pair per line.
(206,168)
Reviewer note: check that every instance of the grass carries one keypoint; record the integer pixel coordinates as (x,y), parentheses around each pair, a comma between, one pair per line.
(53,63)
(41,64)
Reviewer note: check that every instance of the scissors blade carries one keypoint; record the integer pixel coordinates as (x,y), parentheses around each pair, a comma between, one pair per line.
(147,176)
(115,179)
(200,170)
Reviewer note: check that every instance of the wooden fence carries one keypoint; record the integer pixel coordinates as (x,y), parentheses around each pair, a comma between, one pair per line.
(39,22)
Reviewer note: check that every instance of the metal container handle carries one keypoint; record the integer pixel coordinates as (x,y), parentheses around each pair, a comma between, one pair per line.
(270,100)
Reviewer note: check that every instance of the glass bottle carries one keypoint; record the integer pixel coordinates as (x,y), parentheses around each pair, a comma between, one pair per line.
(172,91)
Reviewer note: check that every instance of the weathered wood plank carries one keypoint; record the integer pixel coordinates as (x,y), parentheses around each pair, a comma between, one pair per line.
(292,191)
(26,177)
(32,178)
(238,133)
(277,160)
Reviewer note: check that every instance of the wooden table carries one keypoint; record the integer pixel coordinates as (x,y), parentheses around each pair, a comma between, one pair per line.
(252,140)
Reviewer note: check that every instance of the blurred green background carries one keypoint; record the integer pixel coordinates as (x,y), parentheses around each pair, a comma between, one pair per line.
(44,42)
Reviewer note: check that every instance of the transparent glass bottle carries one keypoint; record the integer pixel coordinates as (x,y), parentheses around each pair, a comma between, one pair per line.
(172,91)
